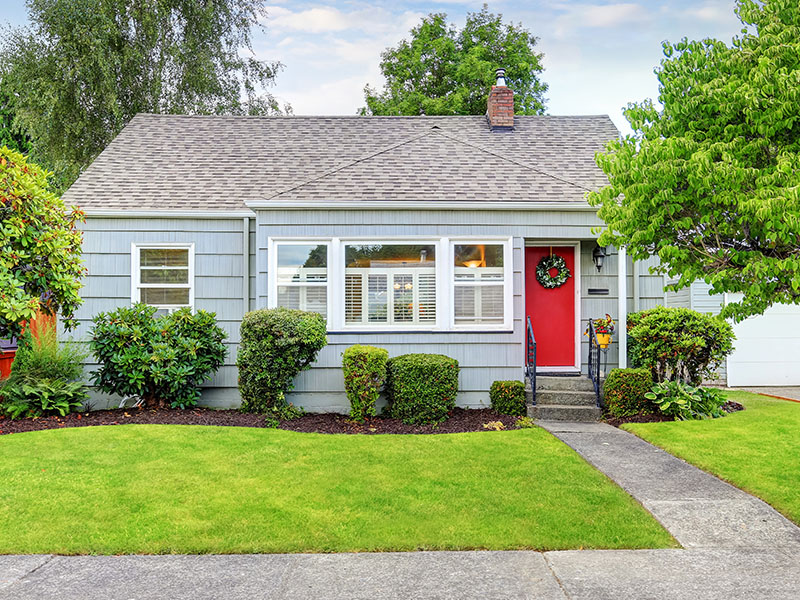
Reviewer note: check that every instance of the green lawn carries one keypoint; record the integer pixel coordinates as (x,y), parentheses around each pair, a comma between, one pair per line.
(757,450)
(184,489)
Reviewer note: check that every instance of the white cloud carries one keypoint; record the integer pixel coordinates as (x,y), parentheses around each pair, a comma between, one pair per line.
(575,17)
(371,20)
(714,12)
(339,97)
(314,20)
(612,15)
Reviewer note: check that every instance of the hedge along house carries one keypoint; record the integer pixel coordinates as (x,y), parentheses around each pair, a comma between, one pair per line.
(417,234)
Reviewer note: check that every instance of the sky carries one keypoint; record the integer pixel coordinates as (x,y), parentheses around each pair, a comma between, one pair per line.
(598,56)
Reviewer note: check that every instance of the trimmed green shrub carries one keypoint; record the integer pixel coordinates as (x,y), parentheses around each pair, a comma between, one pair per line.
(678,343)
(46,377)
(624,392)
(685,402)
(508,398)
(161,361)
(421,387)
(364,370)
(277,344)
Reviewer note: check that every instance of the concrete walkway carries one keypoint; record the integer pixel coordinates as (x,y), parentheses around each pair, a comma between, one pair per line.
(698,509)
(736,547)
(792,392)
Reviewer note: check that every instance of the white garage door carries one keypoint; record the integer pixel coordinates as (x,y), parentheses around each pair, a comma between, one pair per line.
(767,349)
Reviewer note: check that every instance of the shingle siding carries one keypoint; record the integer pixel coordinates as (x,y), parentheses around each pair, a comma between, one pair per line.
(218,279)
(484,357)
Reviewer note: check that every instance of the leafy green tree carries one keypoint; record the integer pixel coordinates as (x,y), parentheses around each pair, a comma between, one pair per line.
(711,182)
(444,71)
(40,265)
(10,134)
(83,68)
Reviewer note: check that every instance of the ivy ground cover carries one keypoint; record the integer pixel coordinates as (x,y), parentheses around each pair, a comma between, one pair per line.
(757,449)
(190,489)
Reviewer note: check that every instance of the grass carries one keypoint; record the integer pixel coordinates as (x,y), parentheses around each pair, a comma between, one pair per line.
(757,450)
(186,489)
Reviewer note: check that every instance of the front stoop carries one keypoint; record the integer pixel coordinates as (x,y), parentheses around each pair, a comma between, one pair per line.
(563,399)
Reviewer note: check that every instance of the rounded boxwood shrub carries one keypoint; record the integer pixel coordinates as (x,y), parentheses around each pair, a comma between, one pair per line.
(277,344)
(678,343)
(421,387)
(624,391)
(364,370)
(162,361)
(508,398)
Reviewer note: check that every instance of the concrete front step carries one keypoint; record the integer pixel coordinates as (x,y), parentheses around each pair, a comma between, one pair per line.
(564,398)
(572,384)
(551,412)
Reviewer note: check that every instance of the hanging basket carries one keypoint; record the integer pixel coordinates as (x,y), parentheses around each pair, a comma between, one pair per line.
(603,339)
(547,264)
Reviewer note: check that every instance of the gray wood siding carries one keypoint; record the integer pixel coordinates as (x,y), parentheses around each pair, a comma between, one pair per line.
(219,282)
(483,356)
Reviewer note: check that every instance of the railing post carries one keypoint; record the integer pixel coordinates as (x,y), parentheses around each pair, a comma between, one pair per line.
(622,315)
(530,358)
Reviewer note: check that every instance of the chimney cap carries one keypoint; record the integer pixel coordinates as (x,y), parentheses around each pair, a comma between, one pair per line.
(500,74)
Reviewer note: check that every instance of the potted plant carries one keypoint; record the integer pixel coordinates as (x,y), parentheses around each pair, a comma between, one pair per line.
(603,328)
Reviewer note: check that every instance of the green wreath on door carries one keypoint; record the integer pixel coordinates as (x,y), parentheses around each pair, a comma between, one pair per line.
(547,264)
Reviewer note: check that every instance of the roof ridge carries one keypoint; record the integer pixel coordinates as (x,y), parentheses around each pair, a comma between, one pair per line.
(514,161)
(355,117)
(350,163)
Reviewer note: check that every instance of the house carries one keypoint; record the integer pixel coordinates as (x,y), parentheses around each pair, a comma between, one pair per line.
(767,347)
(417,234)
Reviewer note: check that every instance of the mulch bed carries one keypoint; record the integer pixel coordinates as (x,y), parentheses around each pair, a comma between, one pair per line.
(461,420)
(729,407)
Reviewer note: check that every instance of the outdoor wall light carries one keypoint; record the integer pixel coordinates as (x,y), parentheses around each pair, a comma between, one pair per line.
(598,256)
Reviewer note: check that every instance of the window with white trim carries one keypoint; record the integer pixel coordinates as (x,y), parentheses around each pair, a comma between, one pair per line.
(163,275)
(390,284)
(395,284)
(478,284)
(302,276)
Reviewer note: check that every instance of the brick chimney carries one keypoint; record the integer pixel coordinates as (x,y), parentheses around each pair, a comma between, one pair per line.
(500,107)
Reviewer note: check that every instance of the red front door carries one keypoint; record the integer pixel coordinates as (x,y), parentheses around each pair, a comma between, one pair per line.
(552,311)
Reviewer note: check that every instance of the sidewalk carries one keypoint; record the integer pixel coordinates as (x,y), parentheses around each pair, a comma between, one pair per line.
(736,547)
(790,392)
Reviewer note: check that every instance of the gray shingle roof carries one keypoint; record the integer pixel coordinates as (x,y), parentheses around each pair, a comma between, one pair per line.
(174,162)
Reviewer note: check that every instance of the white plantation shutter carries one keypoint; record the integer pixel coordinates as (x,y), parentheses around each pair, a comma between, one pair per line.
(426,287)
(403,298)
(353,298)
(377,298)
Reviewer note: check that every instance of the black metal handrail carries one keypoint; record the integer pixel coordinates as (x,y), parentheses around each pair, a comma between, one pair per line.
(530,358)
(594,362)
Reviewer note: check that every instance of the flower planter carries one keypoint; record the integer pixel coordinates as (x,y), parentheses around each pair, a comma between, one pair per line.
(603,339)
(6,358)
